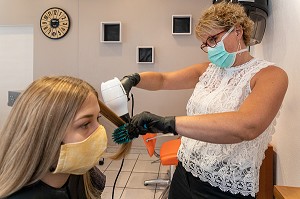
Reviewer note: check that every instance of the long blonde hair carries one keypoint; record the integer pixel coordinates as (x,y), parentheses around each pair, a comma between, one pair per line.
(124,149)
(32,135)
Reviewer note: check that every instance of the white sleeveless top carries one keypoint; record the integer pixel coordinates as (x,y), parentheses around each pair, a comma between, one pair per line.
(231,167)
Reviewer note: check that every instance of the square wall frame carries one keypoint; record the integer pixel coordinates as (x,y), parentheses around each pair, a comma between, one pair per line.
(111,32)
(181,24)
(144,54)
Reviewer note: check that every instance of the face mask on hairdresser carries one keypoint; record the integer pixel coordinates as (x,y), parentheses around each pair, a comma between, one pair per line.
(79,157)
(219,56)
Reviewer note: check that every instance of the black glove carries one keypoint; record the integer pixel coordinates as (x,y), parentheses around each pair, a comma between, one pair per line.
(147,122)
(129,81)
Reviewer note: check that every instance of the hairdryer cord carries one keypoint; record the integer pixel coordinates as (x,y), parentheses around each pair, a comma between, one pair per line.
(113,190)
(132,104)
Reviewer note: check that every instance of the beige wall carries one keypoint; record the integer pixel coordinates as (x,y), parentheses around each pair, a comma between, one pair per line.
(16,62)
(281,45)
(80,53)
(50,57)
(146,22)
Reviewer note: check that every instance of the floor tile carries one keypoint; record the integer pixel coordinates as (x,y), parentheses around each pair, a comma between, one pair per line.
(138,167)
(158,194)
(138,150)
(164,169)
(146,166)
(107,193)
(132,156)
(130,193)
(107,154)
(112,149)
(136,180)
(147,157)
(111,177)
(103,167)
(116,164)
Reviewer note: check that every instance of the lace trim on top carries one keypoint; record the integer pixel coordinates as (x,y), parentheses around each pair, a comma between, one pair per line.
(231,167)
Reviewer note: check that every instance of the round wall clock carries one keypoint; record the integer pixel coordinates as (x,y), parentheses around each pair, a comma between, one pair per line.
(55,23)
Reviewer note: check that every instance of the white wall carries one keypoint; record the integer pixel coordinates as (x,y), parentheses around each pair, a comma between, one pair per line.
(281,44)
(146,22)
(16,62)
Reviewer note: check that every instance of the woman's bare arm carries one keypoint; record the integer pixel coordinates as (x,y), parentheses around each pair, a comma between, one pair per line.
(185,78)
(254,116)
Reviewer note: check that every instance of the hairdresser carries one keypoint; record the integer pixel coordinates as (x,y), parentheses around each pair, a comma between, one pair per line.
(52,141)
(230,115)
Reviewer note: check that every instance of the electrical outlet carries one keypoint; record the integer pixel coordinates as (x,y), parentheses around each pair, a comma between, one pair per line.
(12,97)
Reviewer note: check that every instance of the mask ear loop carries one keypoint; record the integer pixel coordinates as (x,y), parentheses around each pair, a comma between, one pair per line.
(227,33)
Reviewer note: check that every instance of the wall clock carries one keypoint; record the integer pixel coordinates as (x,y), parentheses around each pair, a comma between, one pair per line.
(55,23)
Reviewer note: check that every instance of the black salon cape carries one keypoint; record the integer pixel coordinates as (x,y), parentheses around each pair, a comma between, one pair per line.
(73,189)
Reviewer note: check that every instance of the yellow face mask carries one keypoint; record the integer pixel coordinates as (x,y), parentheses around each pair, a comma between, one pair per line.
(79,157)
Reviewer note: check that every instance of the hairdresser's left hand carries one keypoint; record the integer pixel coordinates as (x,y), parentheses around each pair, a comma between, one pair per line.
(129,81)
(147,122)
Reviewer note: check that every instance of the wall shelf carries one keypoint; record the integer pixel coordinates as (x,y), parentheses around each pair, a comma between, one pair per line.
(145,54)
(111,32)
(181,24)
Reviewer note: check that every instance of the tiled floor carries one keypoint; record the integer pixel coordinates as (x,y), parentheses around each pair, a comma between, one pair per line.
(137,168)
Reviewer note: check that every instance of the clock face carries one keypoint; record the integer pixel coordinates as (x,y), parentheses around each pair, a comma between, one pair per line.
(55,23)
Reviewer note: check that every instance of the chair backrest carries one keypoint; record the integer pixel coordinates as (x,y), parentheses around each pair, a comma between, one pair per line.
(150,144)
(168,152)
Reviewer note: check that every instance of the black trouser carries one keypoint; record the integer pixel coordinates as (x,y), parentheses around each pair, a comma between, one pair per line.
(185,186)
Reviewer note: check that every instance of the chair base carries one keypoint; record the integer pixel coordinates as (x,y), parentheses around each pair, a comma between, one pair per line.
(157,181)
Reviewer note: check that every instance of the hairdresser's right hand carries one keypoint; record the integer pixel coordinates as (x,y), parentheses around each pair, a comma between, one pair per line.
(129,81)
(147,122)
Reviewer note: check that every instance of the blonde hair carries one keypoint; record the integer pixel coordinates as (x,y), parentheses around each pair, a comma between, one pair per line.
(124,149)
(32,135)
(224,15)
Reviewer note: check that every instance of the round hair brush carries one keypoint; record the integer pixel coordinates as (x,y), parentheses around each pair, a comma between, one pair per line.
(126,133)
(121,134)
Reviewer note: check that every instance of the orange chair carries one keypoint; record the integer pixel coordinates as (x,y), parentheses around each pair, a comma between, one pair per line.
(167,155)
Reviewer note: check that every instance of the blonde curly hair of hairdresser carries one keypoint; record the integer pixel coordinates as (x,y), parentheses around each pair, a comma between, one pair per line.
(32,135)
(224,15)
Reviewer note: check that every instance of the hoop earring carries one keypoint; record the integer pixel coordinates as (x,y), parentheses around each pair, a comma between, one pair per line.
(239,47)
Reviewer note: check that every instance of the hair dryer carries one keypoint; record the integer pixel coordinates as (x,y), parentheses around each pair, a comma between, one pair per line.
(115,97)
